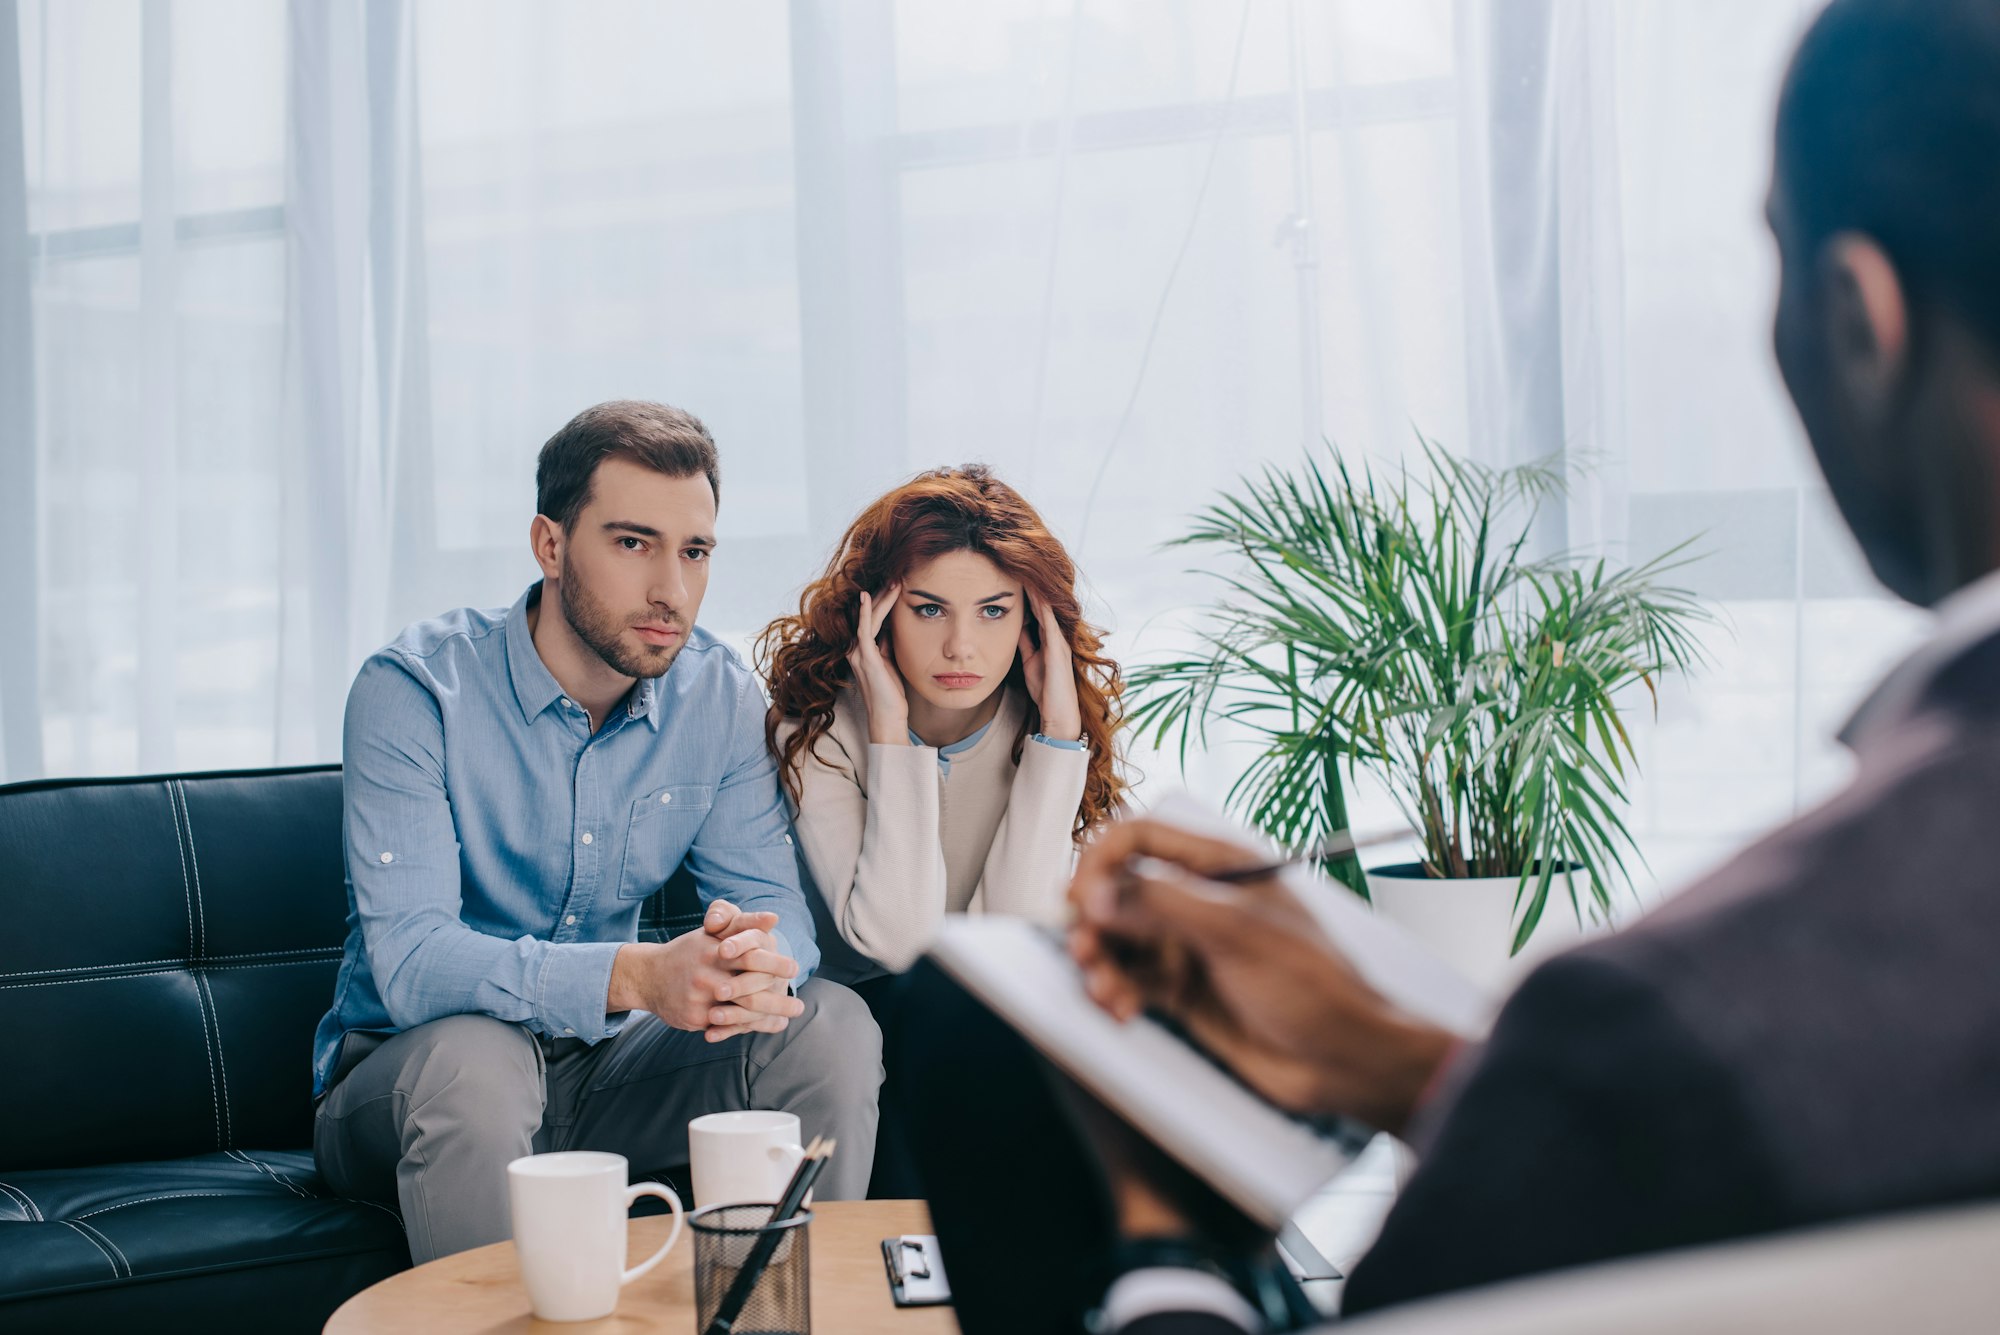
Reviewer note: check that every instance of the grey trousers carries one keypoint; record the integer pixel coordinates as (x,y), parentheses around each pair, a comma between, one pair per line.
(429,1118)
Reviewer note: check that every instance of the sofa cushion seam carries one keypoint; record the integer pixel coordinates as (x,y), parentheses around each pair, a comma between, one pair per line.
(207,965)
(297,1190)
(220,1267)
(166,1196)
(105,1238)
(187,961)
(221,1058)
(34,1211)
(194,861)
(180,850)
(95,1243)
(208,1048)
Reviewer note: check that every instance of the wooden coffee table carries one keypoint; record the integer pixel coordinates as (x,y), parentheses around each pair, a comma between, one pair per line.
(480,1290)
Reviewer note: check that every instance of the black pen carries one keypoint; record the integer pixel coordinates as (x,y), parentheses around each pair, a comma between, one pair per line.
(1337,845)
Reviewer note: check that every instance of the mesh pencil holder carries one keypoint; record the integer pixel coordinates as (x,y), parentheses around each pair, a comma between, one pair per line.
(724,1236)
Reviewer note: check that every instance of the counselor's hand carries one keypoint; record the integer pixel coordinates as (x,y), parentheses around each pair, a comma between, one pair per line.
(1051,675)
(1248,970)
(873,662)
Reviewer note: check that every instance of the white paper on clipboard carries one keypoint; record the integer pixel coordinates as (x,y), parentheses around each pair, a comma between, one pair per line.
(1254,1154)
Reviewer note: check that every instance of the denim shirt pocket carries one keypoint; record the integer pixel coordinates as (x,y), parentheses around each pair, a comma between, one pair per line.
(663,825)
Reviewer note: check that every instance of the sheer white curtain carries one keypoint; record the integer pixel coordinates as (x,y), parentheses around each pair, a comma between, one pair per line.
(1713,447)
(218,287)
(309,287)
(354,431)
(145,293)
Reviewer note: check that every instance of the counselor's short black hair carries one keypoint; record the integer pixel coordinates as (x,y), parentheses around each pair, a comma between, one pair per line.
(667,440)
(1889,124)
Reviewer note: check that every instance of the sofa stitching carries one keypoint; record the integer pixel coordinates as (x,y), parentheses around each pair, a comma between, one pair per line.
(101,1236)
(208,1047)
(65,982)
(238,1263)
(221,1057)
(239,1157)
(290,1181)
(180,848)
(210,966)
(214,1093)
(147,1200)
(109,970)
(226,1130)
(152,973)
(94,1242)
(376,1205)
(34,1211)
(265,1168)
(194,860)
(197,939)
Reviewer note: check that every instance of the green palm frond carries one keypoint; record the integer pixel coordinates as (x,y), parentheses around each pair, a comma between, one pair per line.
(1394,624)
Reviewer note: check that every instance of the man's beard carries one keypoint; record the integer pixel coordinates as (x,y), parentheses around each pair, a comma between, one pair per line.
(601,629)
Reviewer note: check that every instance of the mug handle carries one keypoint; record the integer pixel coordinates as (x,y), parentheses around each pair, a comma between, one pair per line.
(791,1156)
(665,1193)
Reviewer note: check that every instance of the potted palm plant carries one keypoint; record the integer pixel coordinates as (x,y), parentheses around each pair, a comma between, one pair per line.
(1395,625)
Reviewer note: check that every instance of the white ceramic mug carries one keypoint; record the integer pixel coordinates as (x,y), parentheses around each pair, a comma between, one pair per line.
(743,1156)
(569,1228)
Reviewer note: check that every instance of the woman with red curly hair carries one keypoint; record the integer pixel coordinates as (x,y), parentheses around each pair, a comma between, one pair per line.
(942,716)
(944,725)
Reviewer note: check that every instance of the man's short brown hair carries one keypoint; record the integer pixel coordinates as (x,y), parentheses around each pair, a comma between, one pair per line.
(667,440)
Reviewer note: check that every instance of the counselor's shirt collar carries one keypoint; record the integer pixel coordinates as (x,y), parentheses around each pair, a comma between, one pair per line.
(535,687)
(1964,620)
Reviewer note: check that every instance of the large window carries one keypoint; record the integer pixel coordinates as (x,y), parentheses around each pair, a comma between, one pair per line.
(154,158)
(311,284)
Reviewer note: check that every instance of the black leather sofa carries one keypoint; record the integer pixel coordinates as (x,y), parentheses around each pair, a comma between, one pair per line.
(169,946)
(170,943)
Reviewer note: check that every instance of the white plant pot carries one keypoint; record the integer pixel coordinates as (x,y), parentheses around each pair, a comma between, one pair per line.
(1470,923)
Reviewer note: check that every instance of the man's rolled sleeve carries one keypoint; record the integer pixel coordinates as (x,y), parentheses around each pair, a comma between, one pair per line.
(576,979)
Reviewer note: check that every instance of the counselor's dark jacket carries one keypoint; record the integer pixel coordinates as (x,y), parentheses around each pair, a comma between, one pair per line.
(1811,1033)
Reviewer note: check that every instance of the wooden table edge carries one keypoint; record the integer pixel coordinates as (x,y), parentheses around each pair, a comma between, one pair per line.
(480,1290)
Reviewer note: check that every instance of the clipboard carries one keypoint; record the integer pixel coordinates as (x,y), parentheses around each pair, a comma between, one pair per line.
(1260,1158)
(916,1271)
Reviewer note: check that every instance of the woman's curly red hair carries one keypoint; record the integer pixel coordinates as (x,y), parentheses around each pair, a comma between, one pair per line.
(803,657)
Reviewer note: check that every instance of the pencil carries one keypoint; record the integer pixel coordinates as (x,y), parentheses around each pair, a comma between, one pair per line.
(766,1246)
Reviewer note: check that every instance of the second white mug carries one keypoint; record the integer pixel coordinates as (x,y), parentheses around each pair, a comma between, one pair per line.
(743,1156)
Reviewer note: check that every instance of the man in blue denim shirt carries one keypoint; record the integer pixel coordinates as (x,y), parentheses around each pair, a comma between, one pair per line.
(517,783)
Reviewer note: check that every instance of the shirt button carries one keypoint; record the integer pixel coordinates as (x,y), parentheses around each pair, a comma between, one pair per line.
(586,836)
(570,921)
(788,838)
(568,1030)
(666,798)
(388,857)
(568,703)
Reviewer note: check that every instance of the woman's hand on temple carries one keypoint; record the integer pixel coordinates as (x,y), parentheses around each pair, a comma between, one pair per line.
(1051,675)
(874,667)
